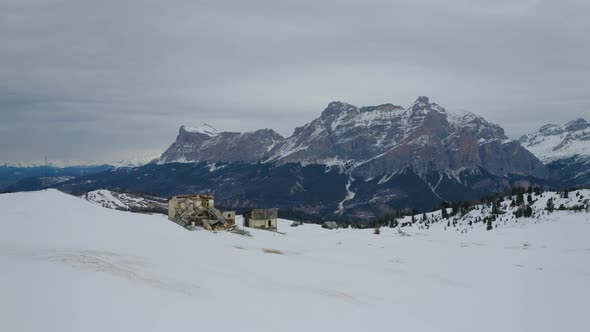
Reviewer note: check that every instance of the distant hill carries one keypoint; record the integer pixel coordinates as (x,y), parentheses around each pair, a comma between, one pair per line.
(33,177)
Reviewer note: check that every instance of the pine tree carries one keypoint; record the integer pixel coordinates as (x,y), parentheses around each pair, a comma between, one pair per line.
(489,225)
(496,208)
(550,206)
(454,208)
(528,212)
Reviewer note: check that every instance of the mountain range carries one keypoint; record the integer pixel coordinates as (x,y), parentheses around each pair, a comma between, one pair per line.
(370,142)
(350,162)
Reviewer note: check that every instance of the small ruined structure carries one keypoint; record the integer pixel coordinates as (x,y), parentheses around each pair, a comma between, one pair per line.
(330,225)
(197,210)
(261,219)
(230,216)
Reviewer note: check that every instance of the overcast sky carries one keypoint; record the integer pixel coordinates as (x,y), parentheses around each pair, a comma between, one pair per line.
(113,79)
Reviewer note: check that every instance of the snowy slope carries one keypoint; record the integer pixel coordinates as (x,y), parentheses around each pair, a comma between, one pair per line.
(68,265)
(124,201)
(472,219)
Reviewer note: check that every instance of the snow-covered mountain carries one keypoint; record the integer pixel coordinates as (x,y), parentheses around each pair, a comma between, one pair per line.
(565,149)
(68,265)
(424,137)
(134,161)
(371,141)
(552,142)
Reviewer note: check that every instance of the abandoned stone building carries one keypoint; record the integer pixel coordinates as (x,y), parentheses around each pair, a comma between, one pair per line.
(198,210)
(261,218)
(182,202)
(230,216)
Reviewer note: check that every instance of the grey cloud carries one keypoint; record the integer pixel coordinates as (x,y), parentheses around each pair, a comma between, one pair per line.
(91,80)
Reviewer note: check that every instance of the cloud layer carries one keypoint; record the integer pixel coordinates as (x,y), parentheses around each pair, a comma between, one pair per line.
(104,80)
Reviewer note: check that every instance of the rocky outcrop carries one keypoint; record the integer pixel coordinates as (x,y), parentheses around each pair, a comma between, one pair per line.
(206,144)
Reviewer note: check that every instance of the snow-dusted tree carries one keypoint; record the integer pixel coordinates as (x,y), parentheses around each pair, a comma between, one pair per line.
(528,212)
(520,198)
(550,205)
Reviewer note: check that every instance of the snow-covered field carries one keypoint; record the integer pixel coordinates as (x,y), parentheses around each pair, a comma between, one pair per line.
(69,265)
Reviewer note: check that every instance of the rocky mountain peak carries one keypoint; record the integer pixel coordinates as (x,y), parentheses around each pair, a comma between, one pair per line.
(422,100)
(577,124)
(204,129)
(205,143)
(422,106)
(336,108)
(547,130)
(382,108)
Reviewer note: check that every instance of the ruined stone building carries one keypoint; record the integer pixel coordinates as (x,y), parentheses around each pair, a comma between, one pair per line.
(261,218)
(198,210)
(230,216)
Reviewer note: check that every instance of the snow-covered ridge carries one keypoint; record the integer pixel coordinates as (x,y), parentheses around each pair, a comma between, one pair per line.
(131,161)
(555,142)
(125,201)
